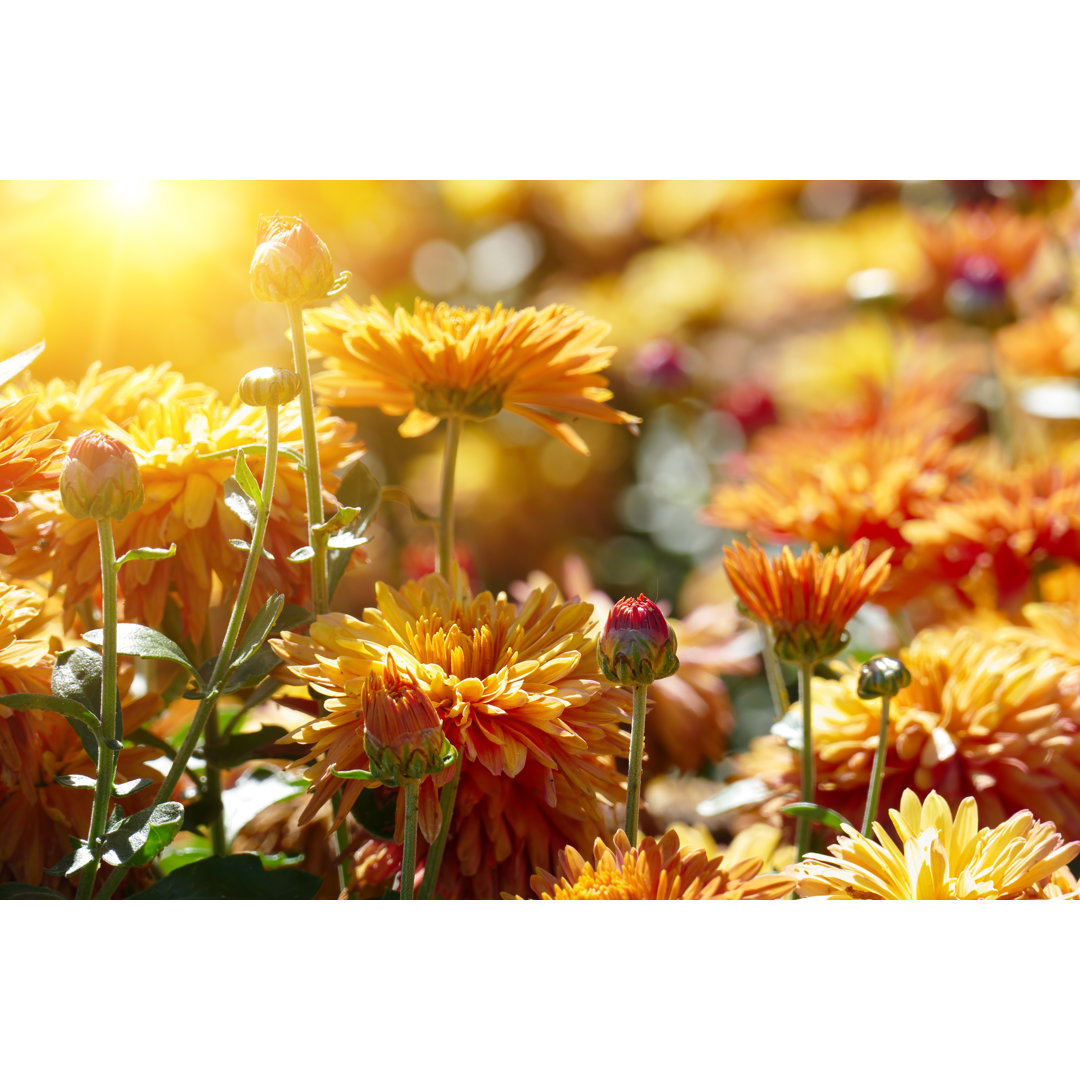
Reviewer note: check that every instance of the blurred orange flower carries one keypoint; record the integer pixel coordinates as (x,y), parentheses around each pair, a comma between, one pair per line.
(441,361)
(519,695)
(29,459)
(654,870)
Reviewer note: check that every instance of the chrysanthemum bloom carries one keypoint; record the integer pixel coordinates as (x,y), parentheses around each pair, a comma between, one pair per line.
(441,361)
(991,534)
(654,870)
(519,695)
(942,858)
(637,645)
(185,503)
(806,601)
(102,398)
(29,459)
(100,478)
(1046,345)
(991,714)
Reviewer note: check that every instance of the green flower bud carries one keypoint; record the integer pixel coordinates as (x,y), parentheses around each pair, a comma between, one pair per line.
(884,676)
(100,478)
(291,263)
(269,386)
(637,645)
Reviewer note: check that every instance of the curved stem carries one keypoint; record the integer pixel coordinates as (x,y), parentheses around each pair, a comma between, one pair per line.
(446,498)
(633,773)
(320,585)
(232,633)
(802,834)
(408,851)
(435,852)
(879,768)
(111,721)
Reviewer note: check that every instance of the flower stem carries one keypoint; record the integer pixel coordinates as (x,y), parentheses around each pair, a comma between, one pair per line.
(341,836)
(435,852)
(879,768)
(633,774)
(802,833)
(232,633)
(446,499)
(408,851)
(112,725)
(320,587)
(774,676)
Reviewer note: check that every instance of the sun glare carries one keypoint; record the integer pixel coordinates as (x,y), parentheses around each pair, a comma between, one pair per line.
(130,196)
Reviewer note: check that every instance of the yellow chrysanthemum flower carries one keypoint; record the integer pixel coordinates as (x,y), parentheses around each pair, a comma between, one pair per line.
(440,361)
(943,858)
(990,713)
(29,458)
(519,695)
(185,503)
(654,870)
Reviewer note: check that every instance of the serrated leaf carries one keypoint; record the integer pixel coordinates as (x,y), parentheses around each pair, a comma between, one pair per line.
(13,365)
(133,639)
(18,890)
(135,840)
(73,862)
(246,479)
(258,630)
(301,554)
(77,781)
(239,502)
(237,749)
(232,877)
(145,554)
(748,792)
(813,812)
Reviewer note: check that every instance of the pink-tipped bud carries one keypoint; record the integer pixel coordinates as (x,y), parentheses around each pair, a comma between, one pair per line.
(403,735)
(637,645)
(100,478)
(291,263)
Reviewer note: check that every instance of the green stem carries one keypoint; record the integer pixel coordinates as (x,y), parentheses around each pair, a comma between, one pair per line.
(435,852)
(320,583)
(341,836)
(446,498)
(633,773)
(774,676)
(802,834)
(879,768)
(213,784)
(408,851)
(232,633)
(110,718)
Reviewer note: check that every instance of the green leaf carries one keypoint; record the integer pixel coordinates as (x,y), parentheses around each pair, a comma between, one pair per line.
(132,639)
(135,840)
(200,812)
(244,477)
(812,812)
(239,502)
(232,877)
(292,615)
(353,774)
(237,749)
(146,553)
(376,809)
(258,630)
(360,491)
(13,365)
(122,791)
(342,517)
(301,554)
(255,450)
(71,710)
(75,780)
(73,862)
(18,890)
(279,859)
(253,670)
(191,849)
(748,792)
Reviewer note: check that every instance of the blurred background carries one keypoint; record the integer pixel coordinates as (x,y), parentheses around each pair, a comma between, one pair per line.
(734,305)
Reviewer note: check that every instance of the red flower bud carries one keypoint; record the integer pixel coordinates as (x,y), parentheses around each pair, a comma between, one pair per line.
(637,645)
(100,478)
(291,263)
(403,735)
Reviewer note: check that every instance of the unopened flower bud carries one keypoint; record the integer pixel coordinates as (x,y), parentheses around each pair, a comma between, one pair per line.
(291,263)
(403,735)
(884,676)
(637,645)
(100,478)
(269,386)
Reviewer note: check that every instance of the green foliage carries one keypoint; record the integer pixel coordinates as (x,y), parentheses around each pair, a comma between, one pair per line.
(359,494)
(232,877)
(258,630)
(19,890)
(246,480)
(135,640)
(237,749)
(375,809)
(821,814)
(151,554)
(135,840)
(82,721)
(74,861)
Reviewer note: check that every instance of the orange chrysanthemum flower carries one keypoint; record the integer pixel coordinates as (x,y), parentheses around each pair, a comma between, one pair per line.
(29,459)
(441,361)
(943,858)
(1046,345)
(806,601)
(519,695)
(990,714)
(185,503)
(656,871)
